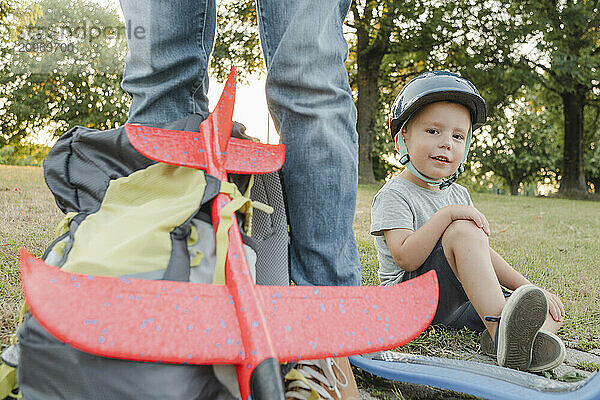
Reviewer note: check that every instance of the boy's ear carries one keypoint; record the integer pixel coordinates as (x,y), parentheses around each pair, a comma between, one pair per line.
(396,138)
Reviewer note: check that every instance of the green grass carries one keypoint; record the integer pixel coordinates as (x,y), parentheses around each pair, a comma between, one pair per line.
(589,366)
(28,215)
(553,242)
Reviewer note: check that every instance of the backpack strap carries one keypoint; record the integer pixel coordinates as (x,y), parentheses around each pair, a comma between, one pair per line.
(250,210)
(238,203)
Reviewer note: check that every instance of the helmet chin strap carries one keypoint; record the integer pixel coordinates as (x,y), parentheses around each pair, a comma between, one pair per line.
(442,183)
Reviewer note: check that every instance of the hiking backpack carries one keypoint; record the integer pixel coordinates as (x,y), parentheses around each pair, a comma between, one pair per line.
(128,216)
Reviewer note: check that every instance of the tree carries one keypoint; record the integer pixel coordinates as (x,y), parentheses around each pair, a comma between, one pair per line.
(521,145)
(572,32)
(499,46)
(373,26)
(68,73)
(555,44)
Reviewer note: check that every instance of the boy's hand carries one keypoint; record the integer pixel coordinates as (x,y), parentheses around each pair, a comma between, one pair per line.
(555,306)
(457,212)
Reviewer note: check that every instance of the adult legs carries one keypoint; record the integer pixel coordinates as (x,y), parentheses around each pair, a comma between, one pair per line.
(166,65)
(166,76)
(310,100)
(308,95)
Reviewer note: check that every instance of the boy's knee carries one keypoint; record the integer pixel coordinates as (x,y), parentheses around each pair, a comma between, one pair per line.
(463,229)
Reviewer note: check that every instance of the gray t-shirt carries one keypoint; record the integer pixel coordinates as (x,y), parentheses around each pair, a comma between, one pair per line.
(403,204)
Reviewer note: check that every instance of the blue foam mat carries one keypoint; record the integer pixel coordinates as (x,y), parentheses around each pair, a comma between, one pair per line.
(478,379)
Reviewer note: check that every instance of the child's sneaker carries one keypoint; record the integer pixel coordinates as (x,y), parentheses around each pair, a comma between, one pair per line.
(548,350)
(329,379)
(521,319)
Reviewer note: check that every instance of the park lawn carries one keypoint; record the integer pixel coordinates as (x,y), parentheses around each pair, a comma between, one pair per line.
(28,216)
(553,242)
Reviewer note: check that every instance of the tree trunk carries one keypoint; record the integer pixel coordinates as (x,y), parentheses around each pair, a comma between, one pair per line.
(514,189)
(573,177)
(366,106)
(371,46)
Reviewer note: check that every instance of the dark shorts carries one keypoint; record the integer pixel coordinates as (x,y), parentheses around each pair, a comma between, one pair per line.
(454,308)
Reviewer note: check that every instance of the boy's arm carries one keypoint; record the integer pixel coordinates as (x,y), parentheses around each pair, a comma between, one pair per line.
(512,279)
(410,248)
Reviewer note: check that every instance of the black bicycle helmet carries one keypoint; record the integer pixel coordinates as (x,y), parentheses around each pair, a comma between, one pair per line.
(434,86)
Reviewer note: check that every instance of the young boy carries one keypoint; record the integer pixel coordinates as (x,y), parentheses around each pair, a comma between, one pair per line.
(422,221)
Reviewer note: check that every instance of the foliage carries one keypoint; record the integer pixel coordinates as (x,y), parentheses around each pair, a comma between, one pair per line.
(73,79)
(506,49)
(478,182)
(383,145)
(553,44)
(593,167)
(520,144)
(28,154)
(482,40)
(237,41)
(5,8)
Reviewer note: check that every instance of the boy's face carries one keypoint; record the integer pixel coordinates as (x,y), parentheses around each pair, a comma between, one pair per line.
(435,138)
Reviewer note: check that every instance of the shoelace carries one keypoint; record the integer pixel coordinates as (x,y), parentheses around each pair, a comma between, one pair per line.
(318,373)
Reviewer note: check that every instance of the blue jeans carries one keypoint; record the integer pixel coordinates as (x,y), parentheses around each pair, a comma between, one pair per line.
(308,95)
